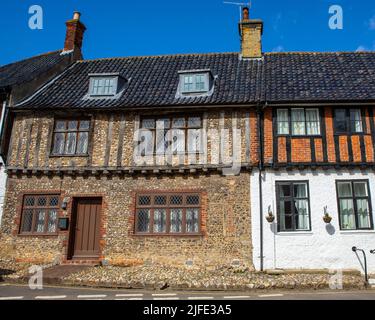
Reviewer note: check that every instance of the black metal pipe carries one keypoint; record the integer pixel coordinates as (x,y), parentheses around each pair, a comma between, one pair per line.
(260,150)
(355,249)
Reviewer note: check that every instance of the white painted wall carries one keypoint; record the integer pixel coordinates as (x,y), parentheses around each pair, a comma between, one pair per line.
(3,179)
(322,247)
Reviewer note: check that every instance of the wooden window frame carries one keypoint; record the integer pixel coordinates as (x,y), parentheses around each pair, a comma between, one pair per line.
(35,207)
(278,199)
(194,90)
(290,129)
(104,79)
(354,198)
(66,131)
(168,207)
(348,121)
(186,129)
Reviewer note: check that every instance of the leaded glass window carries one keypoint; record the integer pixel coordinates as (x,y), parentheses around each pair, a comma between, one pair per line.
(71,137)
(39,214)
(168,213)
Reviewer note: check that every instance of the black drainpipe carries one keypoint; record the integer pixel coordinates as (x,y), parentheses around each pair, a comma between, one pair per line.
(260,152)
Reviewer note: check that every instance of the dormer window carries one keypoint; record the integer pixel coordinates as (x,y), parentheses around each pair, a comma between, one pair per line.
(195,82)
(105,85)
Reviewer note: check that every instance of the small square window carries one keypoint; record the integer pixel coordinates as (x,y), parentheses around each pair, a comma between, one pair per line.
(103,86)
(194,83)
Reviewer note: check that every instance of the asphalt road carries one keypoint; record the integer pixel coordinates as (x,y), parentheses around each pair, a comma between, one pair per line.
(20,292)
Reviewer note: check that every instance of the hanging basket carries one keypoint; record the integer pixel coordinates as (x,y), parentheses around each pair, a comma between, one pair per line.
(327,218)
(270,218)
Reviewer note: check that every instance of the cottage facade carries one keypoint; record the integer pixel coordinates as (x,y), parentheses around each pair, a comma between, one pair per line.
(180,159)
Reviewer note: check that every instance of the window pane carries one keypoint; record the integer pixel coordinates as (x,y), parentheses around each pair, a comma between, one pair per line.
(82,145)
(340,120)
(363,214)
(360,189)
(176,220)
(148,123)
(146,142)
(347,214)
(42,202)
(40,216)
(60,125)
(188,83)
(178,123)
(195,141)
(59,143)
(84,125)
(144,200)
(52,219)
(160,200)
(143,220)
(160,220)
(178,141)
(200,82)
(27,220)
(194,122)
(29,201)
(192,220)
(162,141)
(282,121)
(345,189)
(72,125)
(285,190)
(176,200)
(356,120)
(300,190)
(298,121)
(312,121)
(302,217)
(71,142)
(286,215)
(192,200)
(54,201)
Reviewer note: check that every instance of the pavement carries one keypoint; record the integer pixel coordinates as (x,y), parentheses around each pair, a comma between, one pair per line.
(23,292)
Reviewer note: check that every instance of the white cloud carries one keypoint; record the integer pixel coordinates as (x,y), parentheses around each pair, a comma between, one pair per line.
(361,48)
(366,48)
(279,48)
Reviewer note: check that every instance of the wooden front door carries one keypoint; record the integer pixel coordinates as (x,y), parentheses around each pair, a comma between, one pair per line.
(86,224)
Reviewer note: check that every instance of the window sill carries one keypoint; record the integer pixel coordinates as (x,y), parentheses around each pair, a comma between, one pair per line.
(169,235)
(299,136)
(42,235)
(295,233)
(68,155)
(357,232)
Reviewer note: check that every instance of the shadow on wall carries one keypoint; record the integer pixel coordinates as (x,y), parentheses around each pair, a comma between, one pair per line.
(330,229)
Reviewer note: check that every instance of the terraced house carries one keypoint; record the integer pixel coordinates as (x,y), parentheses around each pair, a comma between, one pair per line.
(180,159)
(21,79)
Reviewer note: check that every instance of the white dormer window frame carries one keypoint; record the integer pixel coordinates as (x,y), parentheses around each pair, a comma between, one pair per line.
(194,82)
(103,85)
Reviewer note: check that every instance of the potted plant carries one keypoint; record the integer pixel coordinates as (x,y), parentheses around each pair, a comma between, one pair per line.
(270,217)
(326,218)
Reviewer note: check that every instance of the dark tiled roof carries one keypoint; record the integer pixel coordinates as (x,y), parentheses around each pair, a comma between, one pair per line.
(26,70)
(154,82)
(320,76)
(279,77)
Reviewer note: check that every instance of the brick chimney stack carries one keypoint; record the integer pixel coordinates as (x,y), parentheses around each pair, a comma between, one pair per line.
(74,35)
(251,31)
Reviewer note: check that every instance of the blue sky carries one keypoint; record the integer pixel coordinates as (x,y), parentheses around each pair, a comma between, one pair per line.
(145,27)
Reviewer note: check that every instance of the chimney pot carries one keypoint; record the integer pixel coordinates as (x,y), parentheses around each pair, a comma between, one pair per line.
(245,13)
(76,15)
